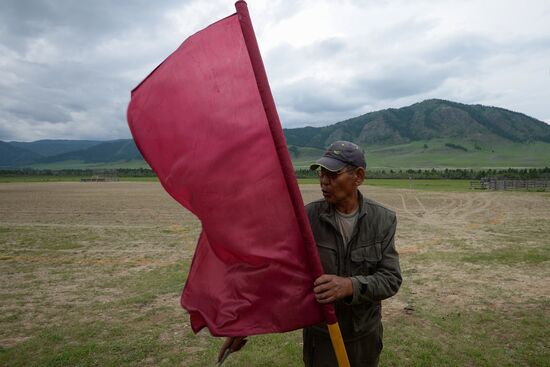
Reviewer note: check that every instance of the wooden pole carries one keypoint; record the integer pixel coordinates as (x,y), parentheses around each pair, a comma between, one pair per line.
(288,170)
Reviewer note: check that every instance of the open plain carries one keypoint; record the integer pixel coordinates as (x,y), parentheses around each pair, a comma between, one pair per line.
(91,275)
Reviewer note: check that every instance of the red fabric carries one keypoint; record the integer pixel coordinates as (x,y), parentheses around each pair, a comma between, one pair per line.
(199,121)
(281,147)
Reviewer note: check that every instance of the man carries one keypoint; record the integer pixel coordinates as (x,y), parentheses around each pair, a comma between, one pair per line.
(355,239)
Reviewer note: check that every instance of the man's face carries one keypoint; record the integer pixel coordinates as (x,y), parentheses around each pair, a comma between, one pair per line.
(337,187)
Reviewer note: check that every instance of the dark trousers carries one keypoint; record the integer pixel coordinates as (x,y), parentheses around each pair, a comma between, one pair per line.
(362,352)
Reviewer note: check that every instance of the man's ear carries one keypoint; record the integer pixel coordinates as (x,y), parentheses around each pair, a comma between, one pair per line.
(360,174)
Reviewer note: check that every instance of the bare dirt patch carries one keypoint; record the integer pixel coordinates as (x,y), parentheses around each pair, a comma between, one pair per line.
(61,243)
(435,229)
(116,255)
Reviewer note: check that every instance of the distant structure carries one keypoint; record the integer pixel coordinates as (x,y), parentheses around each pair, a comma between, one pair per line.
(496,183)
(104,175)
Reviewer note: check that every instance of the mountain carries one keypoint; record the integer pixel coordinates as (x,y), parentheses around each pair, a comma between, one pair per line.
(110,151)
(430,119)
(430,134)
(14,156)
(48,148)
(74,153)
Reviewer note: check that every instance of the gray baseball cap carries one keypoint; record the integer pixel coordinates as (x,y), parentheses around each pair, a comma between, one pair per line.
(340,154)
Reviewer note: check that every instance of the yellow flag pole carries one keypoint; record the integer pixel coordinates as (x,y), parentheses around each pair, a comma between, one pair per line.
(338,345)
(284,158)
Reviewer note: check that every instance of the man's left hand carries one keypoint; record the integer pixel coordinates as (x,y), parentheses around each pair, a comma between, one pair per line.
(330,288)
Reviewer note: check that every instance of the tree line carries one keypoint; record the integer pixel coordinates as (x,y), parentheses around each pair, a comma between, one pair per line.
(448,173)
(120,172)
(453,173)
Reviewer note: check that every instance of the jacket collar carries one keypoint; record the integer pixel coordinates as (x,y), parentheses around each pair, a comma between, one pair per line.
(329,210)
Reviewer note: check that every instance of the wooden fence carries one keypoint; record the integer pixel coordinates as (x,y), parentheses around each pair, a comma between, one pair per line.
(101,175)
(491,183)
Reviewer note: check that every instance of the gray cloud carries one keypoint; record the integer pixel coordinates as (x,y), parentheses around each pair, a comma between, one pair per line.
(66,20)
(67,67)
(313,96)
(422,72)
(405,80)
(463,48)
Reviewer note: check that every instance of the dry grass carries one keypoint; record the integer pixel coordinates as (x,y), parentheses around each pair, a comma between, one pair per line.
(91,275)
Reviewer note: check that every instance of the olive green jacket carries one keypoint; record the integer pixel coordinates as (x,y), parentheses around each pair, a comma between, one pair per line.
(370,259)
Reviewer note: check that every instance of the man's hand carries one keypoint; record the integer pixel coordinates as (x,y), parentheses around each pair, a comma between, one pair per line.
(330,288)
(233,343)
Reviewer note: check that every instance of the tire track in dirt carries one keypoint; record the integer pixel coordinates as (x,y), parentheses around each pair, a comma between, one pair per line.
(424,211)
(455,211)
(447,204)
(422,214)
(88,250)
(69,225)
(450,210)
(485,205)
(406,208)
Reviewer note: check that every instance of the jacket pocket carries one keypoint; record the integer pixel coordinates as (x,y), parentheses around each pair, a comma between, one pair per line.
(365,258)
(329,257)
(366,316)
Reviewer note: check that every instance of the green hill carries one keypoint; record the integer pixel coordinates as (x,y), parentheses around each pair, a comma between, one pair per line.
(448,153)
(429,134)
(50,147)
(11,156)
(435,133)
(430,119)
(111,151)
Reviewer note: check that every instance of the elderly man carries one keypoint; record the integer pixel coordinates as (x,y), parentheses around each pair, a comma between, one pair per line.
(355,238)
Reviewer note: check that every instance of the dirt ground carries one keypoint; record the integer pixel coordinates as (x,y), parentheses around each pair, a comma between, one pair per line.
(66,247)
(467,223)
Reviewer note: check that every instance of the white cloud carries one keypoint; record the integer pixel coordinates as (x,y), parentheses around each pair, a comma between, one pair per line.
(67,68)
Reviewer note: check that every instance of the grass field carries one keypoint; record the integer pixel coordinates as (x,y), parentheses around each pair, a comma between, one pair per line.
(435,185)
(434,153)
(431,185)
(135,163)
(51,178)
(421,154)
(92,273)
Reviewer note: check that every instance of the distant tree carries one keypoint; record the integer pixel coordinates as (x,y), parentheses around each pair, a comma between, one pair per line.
(456,146)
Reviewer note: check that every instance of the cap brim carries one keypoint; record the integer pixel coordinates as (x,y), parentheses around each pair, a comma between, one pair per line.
(331,164)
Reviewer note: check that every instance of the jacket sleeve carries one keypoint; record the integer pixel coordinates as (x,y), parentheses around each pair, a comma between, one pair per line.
(386,280)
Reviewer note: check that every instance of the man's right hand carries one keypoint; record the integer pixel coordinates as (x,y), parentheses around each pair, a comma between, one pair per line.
(329,288)
(233,343)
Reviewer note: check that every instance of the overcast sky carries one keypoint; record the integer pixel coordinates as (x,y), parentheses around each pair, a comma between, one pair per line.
(67,67)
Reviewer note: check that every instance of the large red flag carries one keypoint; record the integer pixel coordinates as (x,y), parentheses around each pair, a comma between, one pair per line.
(202,122)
